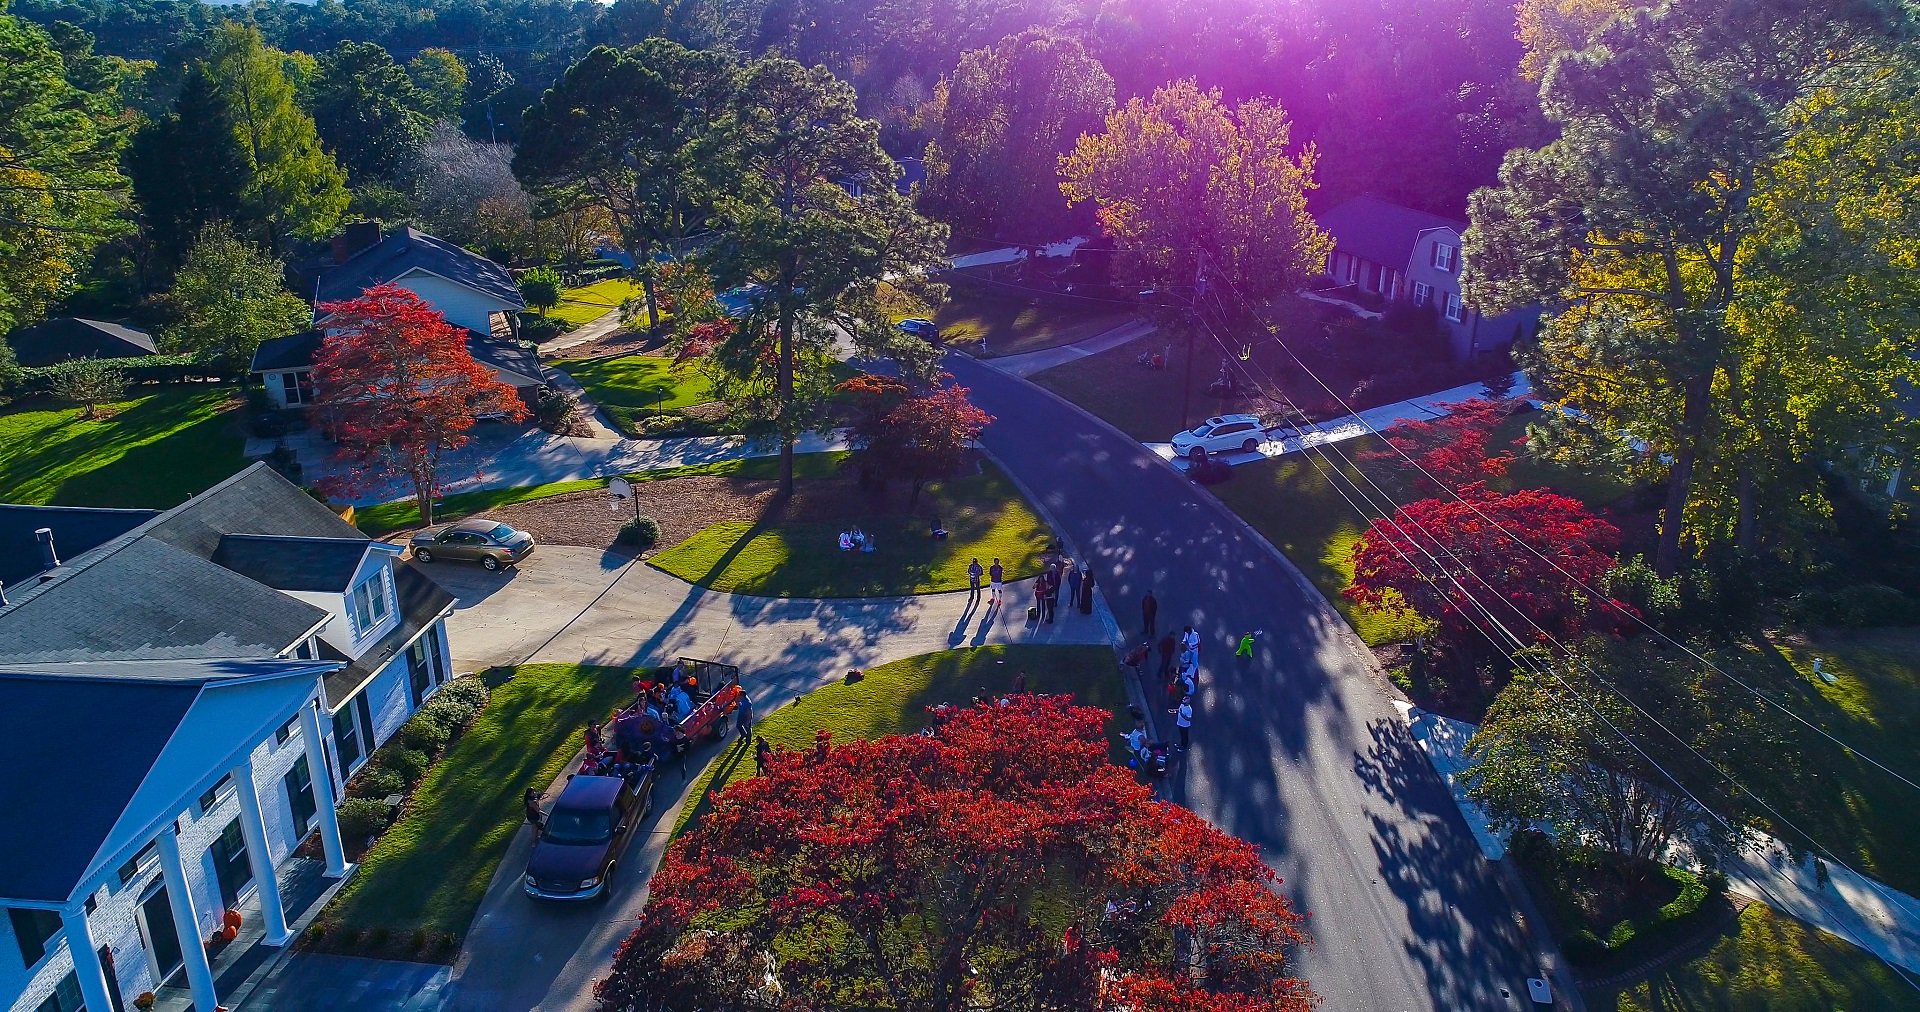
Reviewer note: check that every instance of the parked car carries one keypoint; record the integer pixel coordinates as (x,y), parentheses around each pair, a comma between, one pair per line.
(489,542)
(587,829)
(1221,434)
(922,329)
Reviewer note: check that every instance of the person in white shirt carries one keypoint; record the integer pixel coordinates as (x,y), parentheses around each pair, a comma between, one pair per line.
(1185,722)
(1190,640)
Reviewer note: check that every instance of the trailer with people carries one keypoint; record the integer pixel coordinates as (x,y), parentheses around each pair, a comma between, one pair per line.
(668,715)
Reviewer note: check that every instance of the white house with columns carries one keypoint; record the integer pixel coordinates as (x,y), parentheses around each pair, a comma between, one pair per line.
(183,695)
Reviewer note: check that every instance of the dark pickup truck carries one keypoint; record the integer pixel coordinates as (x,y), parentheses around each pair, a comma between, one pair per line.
(587,830)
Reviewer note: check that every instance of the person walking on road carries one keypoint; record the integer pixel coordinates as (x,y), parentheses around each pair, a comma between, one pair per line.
(1184,721)
(1246,646)
(1149,610)
(745,715)
(974,572)
(762,756)
(1166,655)
(1190,640)
(1073,586)
(998,576)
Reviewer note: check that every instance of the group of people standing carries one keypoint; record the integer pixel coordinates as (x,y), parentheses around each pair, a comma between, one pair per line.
(1182,675)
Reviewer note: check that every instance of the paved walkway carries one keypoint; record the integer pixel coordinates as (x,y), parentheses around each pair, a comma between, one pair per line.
(513,456)
(1877,917)
(586,333)
(1008,254)
(1287,439)
(1046,358)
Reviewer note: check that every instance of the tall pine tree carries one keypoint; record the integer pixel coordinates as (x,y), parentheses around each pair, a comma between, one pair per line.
(188,169)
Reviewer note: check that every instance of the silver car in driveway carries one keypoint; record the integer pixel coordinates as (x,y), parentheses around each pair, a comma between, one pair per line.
(489,542)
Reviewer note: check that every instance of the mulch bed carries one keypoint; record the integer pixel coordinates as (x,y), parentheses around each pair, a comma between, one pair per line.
(685,506)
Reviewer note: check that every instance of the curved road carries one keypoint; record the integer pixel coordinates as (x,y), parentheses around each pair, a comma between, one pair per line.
(1298,750)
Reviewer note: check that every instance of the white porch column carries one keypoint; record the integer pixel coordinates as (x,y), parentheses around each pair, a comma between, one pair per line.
(273,917)
(86,959)
(321,772)
(186,922)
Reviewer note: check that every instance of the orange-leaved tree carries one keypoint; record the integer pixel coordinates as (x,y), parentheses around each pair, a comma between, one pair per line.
(1000,862)
(398,388)
(913,433)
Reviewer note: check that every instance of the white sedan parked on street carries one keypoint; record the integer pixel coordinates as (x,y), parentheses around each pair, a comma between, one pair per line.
(1220,434)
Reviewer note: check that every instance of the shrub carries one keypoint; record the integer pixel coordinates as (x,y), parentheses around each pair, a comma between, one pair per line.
(1210,472)
(540,287)
(287,463)
(418,940)
(89,383)
(378,937)
(361,818)
(641,533)
(1635,584)
(466,696)
(376,782)
(556,411)
(538,329)
(425,734)
(349,937)
(410,763)
(1863,606)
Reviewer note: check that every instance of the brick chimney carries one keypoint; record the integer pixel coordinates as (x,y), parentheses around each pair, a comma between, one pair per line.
(354,239)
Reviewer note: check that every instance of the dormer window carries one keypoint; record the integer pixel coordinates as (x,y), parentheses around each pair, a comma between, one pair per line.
(370,603)
(1444,257)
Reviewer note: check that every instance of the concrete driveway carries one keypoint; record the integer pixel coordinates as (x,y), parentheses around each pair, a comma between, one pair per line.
(580,605)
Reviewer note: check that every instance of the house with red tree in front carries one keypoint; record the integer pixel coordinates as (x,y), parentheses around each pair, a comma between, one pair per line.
(472,292)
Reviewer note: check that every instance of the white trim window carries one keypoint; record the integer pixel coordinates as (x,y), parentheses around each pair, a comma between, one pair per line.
(369,603)
(296,388)
(1456,310)
(1444,257)
(1422,293)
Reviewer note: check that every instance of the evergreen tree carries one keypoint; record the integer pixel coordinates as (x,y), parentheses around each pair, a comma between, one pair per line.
(188,169)
(294,189)
(365,109)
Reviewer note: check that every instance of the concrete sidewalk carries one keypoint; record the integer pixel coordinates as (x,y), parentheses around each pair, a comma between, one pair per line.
(513,456)
(1867,913)
(1284,440)
(1046,358)
(1008,254)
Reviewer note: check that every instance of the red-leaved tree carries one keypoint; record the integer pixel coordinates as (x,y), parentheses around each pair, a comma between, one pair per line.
(1447,559)
(912,435)
(398,388)
(1001,863)
(1451,449)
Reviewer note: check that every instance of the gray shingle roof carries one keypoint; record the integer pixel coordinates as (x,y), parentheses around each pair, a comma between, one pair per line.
(421,601)
(75,529)
(255,501)
(69,337)
(284,563)
(62,798)
(406,250)
(1384,233)
(516,364)
(294,351)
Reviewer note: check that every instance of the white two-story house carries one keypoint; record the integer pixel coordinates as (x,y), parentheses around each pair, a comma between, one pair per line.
(182,696)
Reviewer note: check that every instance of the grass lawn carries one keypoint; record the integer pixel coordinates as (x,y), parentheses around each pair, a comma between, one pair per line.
(1770,962)
(633,387)
(587,304)
(1146,403)
(984,515)
(155,450)
(431,869)
(1012,326)
(400,516)
(893,699)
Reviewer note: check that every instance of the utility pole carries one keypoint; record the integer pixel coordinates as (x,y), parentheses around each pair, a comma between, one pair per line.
(1186,382)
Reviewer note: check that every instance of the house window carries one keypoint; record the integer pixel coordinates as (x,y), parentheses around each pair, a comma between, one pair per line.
(299,784)
(32,929)
(215,794)
(1422,293)
(65,997)
(1455,310)
(1353,269)
(285,731)
(419,669)
(1444,257)
(296,387)
(370,602)
(141,863)
(230,863)
(346,736)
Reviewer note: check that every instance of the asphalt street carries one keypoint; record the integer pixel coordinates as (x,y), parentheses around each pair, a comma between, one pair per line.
(1298,749)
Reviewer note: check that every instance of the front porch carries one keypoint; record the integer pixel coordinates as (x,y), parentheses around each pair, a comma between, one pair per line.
(240,965)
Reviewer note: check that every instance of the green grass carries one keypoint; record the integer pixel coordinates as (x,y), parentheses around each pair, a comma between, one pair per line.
(633,387)
(432,867)
(1767,961)
(984,514)
(893,699)
(1146,403)
(155,450)
(1290,501)
(1014,326)
(400,516)
(587,304)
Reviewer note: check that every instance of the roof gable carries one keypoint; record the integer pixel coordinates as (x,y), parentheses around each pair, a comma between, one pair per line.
(69,337)
(409,250)
(1386,234)
(291,563)
(255,501)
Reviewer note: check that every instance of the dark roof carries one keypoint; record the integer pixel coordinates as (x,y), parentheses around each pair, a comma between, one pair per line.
(198,671)
(289,563)
(75,529)
(295,351)
(155,593)
(516,364)
(394,255)
(59,808)
(69,337)
(1372,229)
(421,601)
